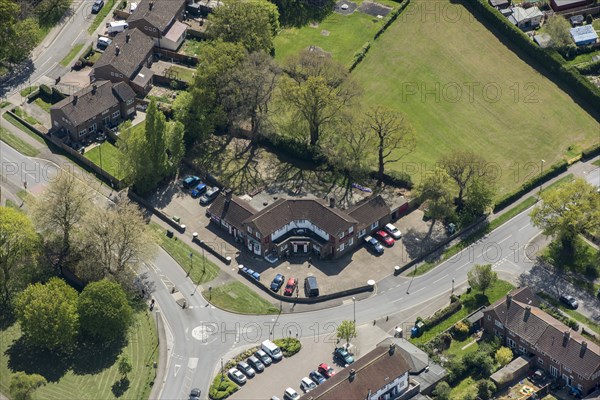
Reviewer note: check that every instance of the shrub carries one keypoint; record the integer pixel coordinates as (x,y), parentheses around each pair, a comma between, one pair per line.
(441,315)
(398,179)
(221,389)
(485,389)
(460,330)
(456,369)
(480,363)
(392,18)
(589,19)
(45,93)
(594,150)
(442,391)
(503,356)
(360,55)
(289,346)
(562,318)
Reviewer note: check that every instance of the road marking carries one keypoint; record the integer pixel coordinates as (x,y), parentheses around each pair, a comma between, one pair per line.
(440,278)
(397,300)
(176,369)
(417,291)
(520,229)
(193,363)
(462,266)
(505,239)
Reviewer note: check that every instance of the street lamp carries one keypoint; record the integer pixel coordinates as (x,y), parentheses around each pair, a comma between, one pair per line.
(190,270)
(452,286)
(354,306)
(541,173)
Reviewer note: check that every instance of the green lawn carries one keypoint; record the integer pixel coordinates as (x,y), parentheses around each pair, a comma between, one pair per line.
(106,156)
(583,58)
(202,269)
(5,104)
(108,5)
(444,74)
(192,47)
(17,143)
(28,90)
(597,162)
(456,347)
(181,73)
(22,127)
(471,302)
(69,57)
(91,374)
(44,105)
(237,297)
(571,313)
(25,117)
(340,35)
(467,385)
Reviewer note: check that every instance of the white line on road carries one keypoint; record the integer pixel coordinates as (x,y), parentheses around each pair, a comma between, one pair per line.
(76,39)
(417,291)
(176,369)
(505,239)
(440,278)
(462,266)
(397,300)
(520,229)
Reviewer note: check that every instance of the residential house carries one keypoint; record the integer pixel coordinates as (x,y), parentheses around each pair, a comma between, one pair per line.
(229,212)
(127,59)
(562,5)
(584,35)
(553,346)
(99,106)
(371,214)
(526,18)
(161,20)
(500,4)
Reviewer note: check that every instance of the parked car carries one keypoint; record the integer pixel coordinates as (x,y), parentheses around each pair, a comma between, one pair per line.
(290,394)
(195,394)
(290,287)
(342,355)
(307,385)
(569,301)
(384,238)
(237,376)
(103,42)
(209,196)
(252,273)
(310,286)
(198,190)
(316,377)
(393,231)
(374,245)
(277,282)
(246,369)
(326,370)
(98,4)
(272,350)
(263,357)
(190,181)
(256,364)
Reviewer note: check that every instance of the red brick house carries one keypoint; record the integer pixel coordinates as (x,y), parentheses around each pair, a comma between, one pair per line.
(561,352)
(160,20)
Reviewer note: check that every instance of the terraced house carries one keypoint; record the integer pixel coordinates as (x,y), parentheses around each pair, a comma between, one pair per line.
(160,20)
(552,346)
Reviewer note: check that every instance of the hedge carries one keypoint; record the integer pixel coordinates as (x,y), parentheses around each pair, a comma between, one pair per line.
(221,390)
(591,68)
(360,55)
(531,184)
(548,58)
(397,179)
(392,18)
(289,346)
(590,152)
(441,315)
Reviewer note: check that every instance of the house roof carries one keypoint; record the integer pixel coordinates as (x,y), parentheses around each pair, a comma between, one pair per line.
(143,76)
(372,371)
(546,333)
(521,14)
(584,33)
(176,30)
(285,210)
(372,209)
(565,3)
(132,52)
(158,13)
(92,101)
(497,3)
(234,211)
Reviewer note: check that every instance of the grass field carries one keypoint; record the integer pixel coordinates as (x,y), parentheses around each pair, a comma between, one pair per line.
(17,143)
(237,297)
(347,34)
(90,374)
(461,88)
(110,159)
(69,57)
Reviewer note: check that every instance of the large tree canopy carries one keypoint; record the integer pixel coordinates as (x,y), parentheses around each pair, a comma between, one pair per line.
(17,36)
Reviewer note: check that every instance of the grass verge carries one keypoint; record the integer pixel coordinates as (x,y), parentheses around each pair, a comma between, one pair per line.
(17,143)
(5,104)
(24,116)
(597,163)
(202,269)
(69,57)
(108,6)
(106,156)
(571,313)
(28,90)
(22,127)
(237,297)
(43,104)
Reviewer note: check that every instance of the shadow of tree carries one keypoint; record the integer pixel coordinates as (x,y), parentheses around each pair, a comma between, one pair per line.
(33,360)
(91,357)
(418,243)
(120,387)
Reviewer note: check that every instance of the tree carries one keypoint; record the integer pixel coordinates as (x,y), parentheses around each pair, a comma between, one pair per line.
(17,36)
(175,144)
(567,211)
(503,356)
(558,28)
(485,389)
(442,391)
(57,213)
(482,277)
(436,189)
(253,23)
(124,366)
(479,198)
(19,247)
(50,11)
(463,167)
(104,311)
(23,385)
(393,136)
(301,12)
(47,314)
(346,331)
(317,89)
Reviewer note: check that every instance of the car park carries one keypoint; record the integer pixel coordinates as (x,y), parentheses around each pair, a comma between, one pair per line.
(209,196)
(272,350)
(263,357)
(384,238)
(246,369)
(307,385)
(256,364)
(190,181)
(290,394)
(342,355)
(103,42)
(98,4)
(374,245)
(237,376)
(316,377)
(569,301)
(198,190)
(290,287)
(195,394)
(392,231)
(326,370)
(277,282)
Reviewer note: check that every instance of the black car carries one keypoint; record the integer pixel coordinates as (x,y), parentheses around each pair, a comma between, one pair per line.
(195,394)
(569,301)
(98,4)
(256,364)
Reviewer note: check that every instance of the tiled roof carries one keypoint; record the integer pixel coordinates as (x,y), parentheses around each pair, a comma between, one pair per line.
(132,53)
(161,14)
(235,212)
(175,32)
(281,212)
(523,295)
(370,210)
(373,371)
(90,102)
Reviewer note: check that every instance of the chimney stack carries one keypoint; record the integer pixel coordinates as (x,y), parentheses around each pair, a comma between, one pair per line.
(352,375)
(75,97)
(508,300)
(332,202)
(527,313)
(566,337)
(228,194)
(94,88)
(127,37)
(117,50)
(392,349)
(583,349)
(150,5)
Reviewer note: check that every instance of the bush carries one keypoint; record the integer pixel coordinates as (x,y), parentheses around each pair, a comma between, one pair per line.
(460,330)
(222,389)
(392,18)
(485,389)
(594,150)
(360,55)
(503,356)
(571,323)
(398,179)
(480,362)
(289,346)
(442,391)
(456,369)
(441,315)
(45,93)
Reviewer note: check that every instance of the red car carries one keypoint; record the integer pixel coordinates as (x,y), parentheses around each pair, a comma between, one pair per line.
(290,287)
(385,238)
(326,370)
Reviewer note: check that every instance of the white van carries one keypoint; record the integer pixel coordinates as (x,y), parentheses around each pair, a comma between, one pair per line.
(117,26)
(272,350)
